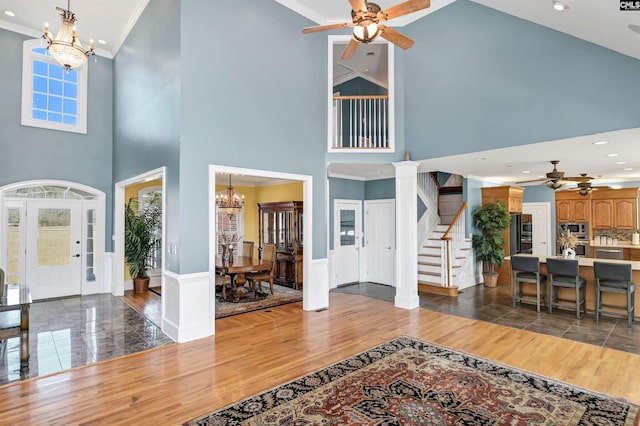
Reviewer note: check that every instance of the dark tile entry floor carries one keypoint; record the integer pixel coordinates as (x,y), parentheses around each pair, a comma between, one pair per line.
(75,331)
(494,305)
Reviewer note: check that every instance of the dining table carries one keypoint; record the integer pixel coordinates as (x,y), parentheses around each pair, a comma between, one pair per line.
(236,268)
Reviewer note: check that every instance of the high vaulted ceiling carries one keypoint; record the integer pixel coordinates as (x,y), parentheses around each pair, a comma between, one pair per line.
(598,21)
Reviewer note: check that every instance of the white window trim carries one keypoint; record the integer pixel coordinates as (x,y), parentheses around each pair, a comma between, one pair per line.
(27,92)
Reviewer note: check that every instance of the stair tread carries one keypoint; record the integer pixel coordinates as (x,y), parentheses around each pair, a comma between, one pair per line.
(429,264)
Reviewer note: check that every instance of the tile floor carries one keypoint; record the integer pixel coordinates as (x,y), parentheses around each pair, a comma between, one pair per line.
(494,305)
(70,332)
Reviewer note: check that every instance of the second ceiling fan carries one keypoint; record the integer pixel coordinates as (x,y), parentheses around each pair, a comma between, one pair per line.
(555,178)
(367,21)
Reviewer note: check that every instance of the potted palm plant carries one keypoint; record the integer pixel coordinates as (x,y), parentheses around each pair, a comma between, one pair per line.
(490,220)
(141,223)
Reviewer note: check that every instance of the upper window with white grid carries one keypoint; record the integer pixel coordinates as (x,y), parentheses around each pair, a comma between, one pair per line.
(52,97)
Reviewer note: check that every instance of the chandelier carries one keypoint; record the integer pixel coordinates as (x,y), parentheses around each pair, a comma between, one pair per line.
(229,202)
(66,47)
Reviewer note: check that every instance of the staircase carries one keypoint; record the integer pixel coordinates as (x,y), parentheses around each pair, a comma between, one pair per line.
(445,256)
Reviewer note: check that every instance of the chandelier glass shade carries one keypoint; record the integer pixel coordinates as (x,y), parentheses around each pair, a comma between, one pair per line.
(228,201)
(66,47)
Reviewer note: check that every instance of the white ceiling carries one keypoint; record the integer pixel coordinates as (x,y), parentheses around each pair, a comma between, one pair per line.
(598,21)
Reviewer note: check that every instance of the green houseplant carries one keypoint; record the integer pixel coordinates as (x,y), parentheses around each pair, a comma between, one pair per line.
(490,220)
(141,222)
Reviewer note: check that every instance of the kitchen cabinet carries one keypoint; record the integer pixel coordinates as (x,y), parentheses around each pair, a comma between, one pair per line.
(568,210)
(634,254)
(615,209)
(280,223)
(510,196)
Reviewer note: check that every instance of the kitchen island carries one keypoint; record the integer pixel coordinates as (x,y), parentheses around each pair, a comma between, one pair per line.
(586,271)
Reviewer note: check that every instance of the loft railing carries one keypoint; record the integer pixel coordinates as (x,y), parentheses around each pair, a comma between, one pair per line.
(453,241)
(360,122)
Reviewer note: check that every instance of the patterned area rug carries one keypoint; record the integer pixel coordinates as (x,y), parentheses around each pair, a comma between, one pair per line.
(281,296)
(410,382)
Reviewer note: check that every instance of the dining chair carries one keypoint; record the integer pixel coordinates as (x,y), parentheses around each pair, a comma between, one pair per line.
(269,255)
(565,273)
(223,281)
(247,248)
(526,269)
(614,278)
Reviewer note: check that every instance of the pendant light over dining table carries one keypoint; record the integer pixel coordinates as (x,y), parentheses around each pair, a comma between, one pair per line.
(229,202)
(66,47)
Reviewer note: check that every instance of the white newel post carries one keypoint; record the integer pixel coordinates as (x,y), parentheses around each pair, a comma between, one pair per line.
(406,271)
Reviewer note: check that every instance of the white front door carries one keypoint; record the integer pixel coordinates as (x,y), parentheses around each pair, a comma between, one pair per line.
(379,240)
(53,248)
(540,228)
(347,240)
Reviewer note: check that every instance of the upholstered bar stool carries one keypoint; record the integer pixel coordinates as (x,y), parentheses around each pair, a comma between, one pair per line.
(526,269)
(614,278)
(565,273)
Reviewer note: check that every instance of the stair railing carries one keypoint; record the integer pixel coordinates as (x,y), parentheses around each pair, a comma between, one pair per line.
(454,238)
(428,189)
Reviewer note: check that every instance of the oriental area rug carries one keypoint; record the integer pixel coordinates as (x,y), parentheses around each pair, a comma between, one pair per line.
(410,382)
(281,295)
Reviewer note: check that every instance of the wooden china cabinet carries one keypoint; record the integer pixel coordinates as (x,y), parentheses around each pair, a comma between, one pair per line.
(280,223)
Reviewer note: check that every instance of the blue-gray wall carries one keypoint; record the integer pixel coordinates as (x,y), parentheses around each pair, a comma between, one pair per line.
(147,107)
(33,153)
(480,79)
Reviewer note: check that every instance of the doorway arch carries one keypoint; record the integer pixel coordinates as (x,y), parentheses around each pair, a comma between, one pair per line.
(69,216)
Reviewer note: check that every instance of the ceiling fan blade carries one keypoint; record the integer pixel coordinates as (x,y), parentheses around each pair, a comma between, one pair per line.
(350,49)
(531,181)
(395,37)
(578,178)
(358,5)
(309,30)
(406,8)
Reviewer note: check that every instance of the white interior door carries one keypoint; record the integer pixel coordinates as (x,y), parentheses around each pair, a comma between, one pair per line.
(347,240)
(53,248)
(379,224)
(540,227)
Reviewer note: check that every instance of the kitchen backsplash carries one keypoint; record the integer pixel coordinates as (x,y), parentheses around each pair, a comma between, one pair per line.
(620,234)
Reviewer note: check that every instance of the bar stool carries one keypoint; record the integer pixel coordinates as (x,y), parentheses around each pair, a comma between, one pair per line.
(614,278)
(565,273)
(526,269)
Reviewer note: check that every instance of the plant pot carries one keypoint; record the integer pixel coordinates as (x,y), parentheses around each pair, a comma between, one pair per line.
(490,280)
(140,285)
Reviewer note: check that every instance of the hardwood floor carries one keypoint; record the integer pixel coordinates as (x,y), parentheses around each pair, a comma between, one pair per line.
(258,350)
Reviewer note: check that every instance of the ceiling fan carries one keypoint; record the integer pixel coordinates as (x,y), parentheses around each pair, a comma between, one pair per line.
(585,187)
(367,22)
(555,178)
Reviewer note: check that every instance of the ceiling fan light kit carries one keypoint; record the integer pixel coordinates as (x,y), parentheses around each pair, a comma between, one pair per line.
(367,21)
(66,47)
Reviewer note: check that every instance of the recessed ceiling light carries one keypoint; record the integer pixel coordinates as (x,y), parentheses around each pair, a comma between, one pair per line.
(635,28)
(9,13)
(601,143)
(612,155)
(101,41)
(481,158)
(628,169)
(526,171)
(621,162)
(559,6)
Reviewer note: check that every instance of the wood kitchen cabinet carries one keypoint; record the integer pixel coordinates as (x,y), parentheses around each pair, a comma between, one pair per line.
(280,223)
(510,196)
(615,209)
(572,207)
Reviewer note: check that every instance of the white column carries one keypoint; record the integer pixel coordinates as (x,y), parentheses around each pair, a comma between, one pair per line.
(406,270)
